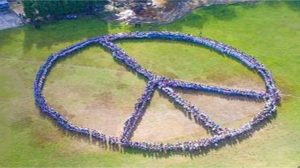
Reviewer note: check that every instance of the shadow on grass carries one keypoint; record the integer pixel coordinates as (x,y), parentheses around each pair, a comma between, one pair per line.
(198,18)
(221,12)
(293,5)
(7,36)
(249,5)
(62,31)
(273,3)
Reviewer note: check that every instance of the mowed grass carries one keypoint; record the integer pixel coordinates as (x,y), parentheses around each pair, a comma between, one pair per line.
(270,31)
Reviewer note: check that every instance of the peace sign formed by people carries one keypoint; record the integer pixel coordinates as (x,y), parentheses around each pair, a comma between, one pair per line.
(166,86)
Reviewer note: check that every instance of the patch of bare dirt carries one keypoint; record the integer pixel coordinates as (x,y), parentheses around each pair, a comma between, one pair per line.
(102,111)
(107,119)
(227,112)
(162,122)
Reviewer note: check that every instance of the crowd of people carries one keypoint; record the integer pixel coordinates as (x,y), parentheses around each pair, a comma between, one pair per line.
(165,85)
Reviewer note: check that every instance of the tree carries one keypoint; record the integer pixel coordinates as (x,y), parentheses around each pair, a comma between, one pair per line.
(29,8)
(59,8)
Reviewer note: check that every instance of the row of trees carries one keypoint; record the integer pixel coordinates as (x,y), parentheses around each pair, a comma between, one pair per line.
(57,9)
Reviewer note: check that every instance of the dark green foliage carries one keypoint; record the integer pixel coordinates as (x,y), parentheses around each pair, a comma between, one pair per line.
(59,8)
(29,8)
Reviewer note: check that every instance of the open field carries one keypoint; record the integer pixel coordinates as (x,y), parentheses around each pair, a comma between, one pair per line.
(92,90)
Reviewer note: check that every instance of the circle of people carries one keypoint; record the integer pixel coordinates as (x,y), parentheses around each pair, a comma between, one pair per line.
(271,97)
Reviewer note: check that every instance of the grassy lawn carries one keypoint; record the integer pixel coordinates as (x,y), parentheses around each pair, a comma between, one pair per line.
(270,31)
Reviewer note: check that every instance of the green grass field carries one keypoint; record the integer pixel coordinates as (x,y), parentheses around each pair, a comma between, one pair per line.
(270,31)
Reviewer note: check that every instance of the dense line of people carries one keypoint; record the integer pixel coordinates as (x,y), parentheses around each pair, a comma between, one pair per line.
(165,85)
(139,110)
(199,116)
